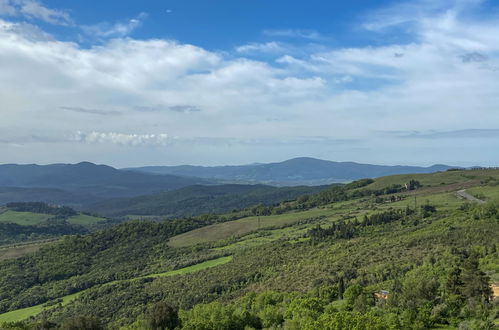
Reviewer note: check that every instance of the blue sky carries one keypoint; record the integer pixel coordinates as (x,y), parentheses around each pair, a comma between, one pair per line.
(231,82)
(220,25)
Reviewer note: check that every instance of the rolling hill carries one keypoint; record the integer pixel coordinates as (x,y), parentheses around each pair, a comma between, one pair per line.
(81,183)
(297,171)
(196,200)
(358,256)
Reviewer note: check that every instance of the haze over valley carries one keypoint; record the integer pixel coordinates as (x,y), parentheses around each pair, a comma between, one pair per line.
(249,165)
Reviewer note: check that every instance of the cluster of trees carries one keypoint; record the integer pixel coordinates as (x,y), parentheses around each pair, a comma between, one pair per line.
(11,233)
(349,191)
(426,296)
(39,207)
(347,230)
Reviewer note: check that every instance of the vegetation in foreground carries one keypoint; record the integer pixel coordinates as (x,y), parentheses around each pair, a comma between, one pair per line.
(376,258)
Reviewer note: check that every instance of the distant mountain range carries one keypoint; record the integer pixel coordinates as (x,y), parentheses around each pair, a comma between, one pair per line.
(297,171)
(81,183)
(85,184)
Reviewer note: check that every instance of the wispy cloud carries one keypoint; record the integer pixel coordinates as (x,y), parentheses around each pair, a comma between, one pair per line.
(293,33)
(474,57)
(122,138)
(115,30)
(34,9)
(92,111)
(457,134)
(265,48)
(185,108)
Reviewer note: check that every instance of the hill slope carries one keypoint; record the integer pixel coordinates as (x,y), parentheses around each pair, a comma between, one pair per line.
(316,268)
(297,171)
(196,200)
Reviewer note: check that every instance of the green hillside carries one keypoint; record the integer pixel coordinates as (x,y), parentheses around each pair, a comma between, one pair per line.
(29,222)
(319,262)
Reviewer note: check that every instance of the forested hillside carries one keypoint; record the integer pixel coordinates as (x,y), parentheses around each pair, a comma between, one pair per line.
(196,200)
(82,183)
(401,252)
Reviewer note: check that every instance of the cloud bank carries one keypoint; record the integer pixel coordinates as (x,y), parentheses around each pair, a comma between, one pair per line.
(443,77)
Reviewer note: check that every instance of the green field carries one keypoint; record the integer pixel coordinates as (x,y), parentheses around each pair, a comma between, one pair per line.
(242,226)
(24,218)
(22,314)
(436,179)
(33,219)
(193,268)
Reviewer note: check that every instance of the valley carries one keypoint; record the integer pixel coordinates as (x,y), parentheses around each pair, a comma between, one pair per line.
(370,235)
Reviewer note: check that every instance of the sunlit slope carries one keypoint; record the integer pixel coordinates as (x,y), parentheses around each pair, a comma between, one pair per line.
(439,189)
(447,178)
(243,226)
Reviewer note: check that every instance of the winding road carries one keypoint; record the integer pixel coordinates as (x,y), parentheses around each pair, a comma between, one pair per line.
(464,195)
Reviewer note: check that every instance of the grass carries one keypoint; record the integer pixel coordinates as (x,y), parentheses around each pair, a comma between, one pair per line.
(32,219)
(193,268)
(356,208)
(435,179)
(442,201)
(245,232)
(24,313)
(241,227)
(24,218)
(490,193)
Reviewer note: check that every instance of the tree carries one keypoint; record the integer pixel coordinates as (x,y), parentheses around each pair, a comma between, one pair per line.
(475,283)
(162,316)
(82,323)
(351,294)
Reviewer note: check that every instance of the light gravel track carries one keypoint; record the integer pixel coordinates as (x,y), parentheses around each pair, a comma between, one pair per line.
(464,195)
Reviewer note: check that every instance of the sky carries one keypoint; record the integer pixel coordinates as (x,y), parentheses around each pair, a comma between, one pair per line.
(132,83)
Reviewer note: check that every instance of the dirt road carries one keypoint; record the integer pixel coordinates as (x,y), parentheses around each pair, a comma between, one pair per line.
(464,195)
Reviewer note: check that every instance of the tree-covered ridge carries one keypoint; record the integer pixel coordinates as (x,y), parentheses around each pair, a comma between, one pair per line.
(39,207)
(196,200)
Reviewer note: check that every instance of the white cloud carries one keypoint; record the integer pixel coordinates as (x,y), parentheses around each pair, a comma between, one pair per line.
(122,139)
